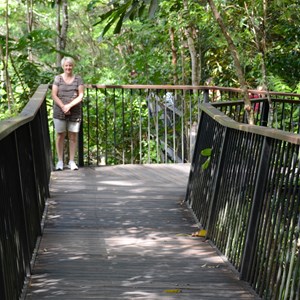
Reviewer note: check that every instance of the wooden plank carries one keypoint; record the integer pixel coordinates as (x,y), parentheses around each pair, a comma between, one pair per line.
(121,233)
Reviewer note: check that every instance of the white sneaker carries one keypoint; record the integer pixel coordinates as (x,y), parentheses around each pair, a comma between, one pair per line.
(59,165)
(72,165)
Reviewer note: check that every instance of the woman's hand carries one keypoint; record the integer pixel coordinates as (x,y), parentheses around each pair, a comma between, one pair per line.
(66,109)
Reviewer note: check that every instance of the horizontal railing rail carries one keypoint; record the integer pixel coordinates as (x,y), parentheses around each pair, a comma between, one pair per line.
(244,191)
(25,166)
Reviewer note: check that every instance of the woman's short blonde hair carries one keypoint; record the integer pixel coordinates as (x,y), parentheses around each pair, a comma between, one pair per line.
(67,59)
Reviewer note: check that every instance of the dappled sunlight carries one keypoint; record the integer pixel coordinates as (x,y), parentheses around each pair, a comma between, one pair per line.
(54,216)
(142,295)
(118,183)
(124,237)
(158,244)
(75,257)
(129,242)
(43,283)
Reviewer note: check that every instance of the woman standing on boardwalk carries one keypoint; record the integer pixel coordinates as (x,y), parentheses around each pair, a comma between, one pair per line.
(67,93)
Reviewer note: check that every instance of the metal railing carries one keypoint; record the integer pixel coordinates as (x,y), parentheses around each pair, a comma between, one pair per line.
(25,165)
(284,112)
(245,191)
(139,124)
(158,123)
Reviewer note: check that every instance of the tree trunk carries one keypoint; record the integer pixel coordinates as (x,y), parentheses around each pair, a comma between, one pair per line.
(4,58)
(29,5)
(189,33)
(193,54)
(236,59)
(174,56)
(58,30)
(264,68)
(183,58)
(261,45)
(62,24)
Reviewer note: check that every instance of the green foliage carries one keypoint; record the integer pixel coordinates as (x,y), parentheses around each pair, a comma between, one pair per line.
(277,84)
(144,61)
(206,153)
(123,10)
(297,88)
(136,47)
(24,56)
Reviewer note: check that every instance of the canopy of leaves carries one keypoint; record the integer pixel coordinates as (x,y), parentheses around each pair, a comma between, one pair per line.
(129,41)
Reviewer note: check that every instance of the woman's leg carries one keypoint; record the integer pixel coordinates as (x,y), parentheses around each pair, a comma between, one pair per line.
(60,140)
(73,136)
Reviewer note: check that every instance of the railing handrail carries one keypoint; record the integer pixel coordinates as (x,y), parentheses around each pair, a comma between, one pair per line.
(188,87)
(25,167)
(28,113)
(225,121)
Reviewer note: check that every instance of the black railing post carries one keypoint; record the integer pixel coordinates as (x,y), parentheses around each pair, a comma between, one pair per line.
(106,125)
(265,113)
(206,96)
(80,145)
(255,214)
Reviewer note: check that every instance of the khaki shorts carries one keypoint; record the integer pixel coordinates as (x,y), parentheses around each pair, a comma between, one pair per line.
(64,125)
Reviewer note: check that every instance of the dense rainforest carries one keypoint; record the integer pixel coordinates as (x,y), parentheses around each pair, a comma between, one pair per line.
(186,42)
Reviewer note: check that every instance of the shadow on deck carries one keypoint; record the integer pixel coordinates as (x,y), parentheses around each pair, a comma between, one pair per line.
(121,232)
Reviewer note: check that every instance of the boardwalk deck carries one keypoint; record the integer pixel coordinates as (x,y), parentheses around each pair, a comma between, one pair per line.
(120,233)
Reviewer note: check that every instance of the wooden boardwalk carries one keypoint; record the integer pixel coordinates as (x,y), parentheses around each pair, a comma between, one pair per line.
(121,232)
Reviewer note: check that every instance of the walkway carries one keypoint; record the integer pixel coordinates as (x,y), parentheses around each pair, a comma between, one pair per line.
(121,232)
